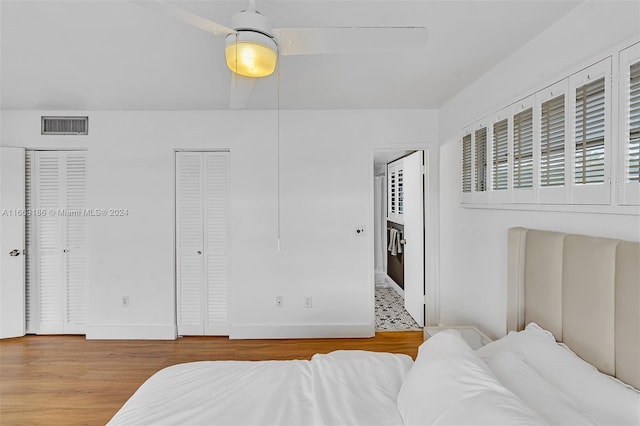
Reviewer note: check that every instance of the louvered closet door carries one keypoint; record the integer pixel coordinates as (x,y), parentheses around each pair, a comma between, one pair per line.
(49,233)
(216,241)
(202,194)
(75,238)
(57,294)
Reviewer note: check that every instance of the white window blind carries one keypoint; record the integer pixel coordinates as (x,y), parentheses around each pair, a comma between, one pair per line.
(500,154)
(393,195)
(395,191)
(400,192)
(481,160)
(633,117)
(589,133)
(629,124)
(466,163)
(523,149)
(552,140)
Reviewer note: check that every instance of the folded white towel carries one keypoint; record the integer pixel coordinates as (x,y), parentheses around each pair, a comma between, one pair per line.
(394,242)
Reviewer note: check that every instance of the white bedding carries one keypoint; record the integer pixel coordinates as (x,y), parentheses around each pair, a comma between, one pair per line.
(525,378)
(343,387)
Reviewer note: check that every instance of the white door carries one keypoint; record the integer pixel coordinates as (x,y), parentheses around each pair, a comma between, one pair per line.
(202,222)
(12,220)
(59,244)
(413,206)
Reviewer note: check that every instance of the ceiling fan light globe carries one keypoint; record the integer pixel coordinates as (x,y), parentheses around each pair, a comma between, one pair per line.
(251,59)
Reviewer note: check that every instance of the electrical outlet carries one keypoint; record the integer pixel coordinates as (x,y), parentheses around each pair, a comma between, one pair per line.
(279,301)
(308,301)
(125,301)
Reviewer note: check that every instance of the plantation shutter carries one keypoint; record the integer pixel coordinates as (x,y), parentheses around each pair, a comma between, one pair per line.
(395,191)
(500,155)
(400,177)
(481,159)
(466,163)
(552,141)
(393,197)
(589,133)
(217,240)
(523,149)
(633,147)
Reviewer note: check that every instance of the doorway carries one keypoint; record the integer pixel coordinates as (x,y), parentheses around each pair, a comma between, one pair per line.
(399,239)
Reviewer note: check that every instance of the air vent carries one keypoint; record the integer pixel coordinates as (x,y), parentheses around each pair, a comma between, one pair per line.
(65,125)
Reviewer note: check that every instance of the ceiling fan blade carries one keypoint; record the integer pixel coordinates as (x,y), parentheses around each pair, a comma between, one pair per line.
(185,17)
(241,89)
(313,41)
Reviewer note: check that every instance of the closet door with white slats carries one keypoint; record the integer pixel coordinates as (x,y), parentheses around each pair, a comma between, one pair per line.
(202,194)
(49,242)
(189,233)
(216,241)
(57,292)
(76,273)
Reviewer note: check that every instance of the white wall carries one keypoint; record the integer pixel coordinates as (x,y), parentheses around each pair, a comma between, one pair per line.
(325,191)
(476,238)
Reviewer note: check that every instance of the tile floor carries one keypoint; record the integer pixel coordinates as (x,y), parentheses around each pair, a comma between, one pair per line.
(390,312)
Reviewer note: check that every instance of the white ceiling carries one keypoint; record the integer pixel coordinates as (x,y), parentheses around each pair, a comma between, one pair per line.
(115,55)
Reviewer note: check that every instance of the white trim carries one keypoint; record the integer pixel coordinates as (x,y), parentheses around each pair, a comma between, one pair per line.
(561,208)
(394,285)
(290,331)
(137,332)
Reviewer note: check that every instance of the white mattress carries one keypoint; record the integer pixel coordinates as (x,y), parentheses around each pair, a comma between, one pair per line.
(525,378)
(343,387)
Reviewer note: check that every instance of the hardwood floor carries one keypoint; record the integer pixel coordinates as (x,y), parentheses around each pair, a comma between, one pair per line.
(70,380)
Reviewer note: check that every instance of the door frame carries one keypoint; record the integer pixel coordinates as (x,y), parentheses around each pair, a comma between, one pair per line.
(431,238)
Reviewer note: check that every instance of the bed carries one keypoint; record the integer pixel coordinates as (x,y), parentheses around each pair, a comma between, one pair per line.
(572,356)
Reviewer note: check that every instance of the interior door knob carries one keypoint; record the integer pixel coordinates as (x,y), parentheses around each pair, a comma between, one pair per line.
(14,252)
(199,252)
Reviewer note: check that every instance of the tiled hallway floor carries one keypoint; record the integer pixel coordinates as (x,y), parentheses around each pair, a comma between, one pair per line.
(390,312)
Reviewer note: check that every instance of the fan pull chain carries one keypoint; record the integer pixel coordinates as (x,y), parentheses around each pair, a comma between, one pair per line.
(278,148)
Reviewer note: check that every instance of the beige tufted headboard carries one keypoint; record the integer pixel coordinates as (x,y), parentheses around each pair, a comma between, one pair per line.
(585,290)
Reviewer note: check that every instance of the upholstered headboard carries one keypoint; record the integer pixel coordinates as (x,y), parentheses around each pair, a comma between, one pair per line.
(585,290)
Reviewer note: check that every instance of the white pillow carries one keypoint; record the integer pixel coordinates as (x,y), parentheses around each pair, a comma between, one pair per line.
(449,384)
(543,398)
(594,393)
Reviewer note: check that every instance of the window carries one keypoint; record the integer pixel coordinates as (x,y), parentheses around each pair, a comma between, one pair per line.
(555,146)
(589,91)
(481,159)
(466,163)
(395,191)
(633,117)
(589,133)
(552,141)
(629,163)
(523,149)
(500,155)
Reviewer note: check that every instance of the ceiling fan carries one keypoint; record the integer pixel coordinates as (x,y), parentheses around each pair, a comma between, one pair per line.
(252,46)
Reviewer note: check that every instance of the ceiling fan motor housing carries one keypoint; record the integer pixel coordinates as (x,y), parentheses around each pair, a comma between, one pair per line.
(252,51)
